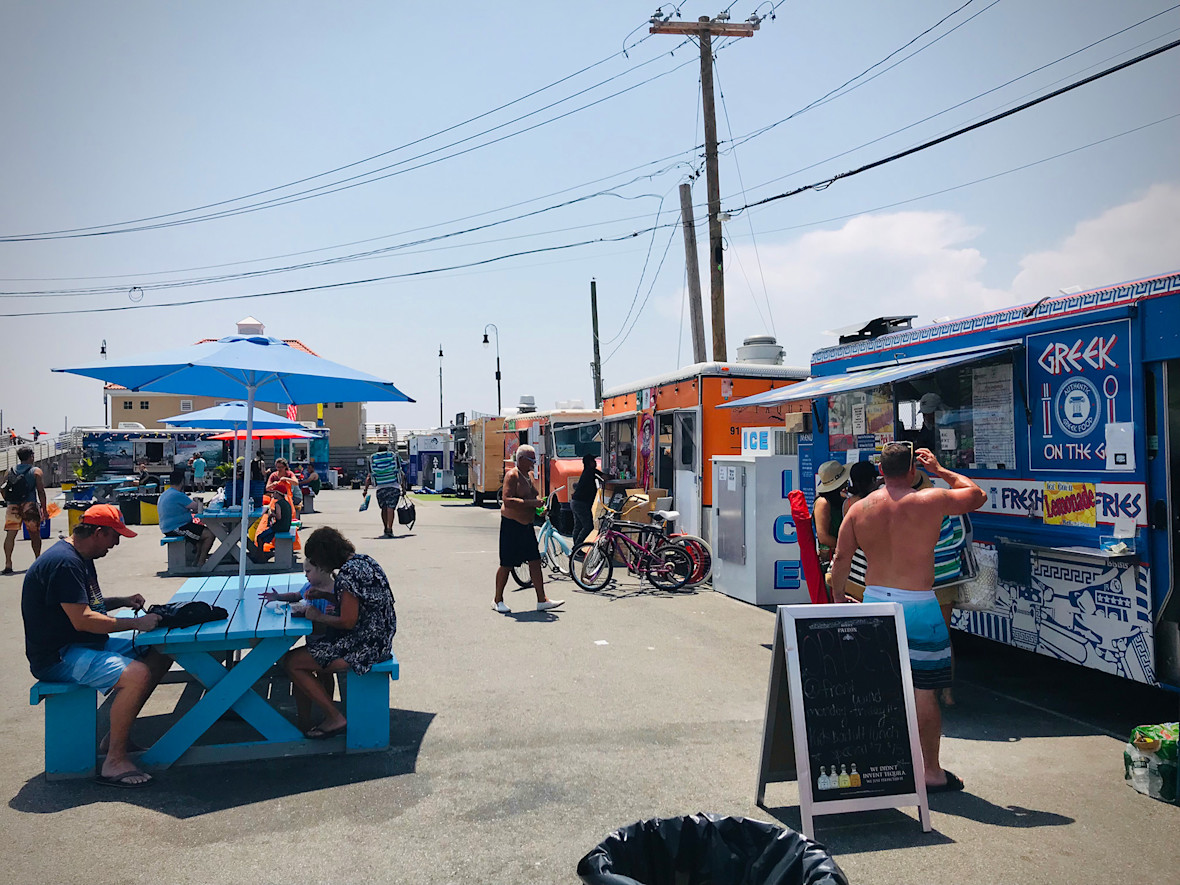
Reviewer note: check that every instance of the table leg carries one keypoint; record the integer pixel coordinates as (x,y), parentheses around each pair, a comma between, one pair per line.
(227,543)
(233,688)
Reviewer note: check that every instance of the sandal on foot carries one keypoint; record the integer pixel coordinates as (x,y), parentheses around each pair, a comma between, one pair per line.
(953,784)
(321,734)
(124,780)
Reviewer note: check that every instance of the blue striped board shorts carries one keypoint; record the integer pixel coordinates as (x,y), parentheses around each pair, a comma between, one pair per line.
(926,633)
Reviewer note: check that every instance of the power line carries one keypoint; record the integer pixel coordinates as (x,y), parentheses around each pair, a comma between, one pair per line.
(655,277)
(821,185)
(420,140)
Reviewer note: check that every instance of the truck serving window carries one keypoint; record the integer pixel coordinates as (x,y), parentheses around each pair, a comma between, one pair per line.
(860,419)
(576,440)
(963,414)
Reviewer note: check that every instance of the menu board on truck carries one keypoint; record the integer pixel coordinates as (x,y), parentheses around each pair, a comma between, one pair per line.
(991,416)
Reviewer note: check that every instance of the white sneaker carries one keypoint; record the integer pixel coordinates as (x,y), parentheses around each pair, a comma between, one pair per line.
(501,608)
(549,604)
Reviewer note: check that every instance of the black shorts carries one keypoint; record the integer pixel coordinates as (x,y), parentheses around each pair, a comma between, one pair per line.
(388,496)
(518,543)
(190,530)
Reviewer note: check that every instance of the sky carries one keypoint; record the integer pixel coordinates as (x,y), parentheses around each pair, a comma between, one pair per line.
(485,163)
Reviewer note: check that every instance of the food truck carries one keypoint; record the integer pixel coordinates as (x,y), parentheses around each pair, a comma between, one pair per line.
(1066,412)
(485,456)
(663,431)
(121,451)
(561,437)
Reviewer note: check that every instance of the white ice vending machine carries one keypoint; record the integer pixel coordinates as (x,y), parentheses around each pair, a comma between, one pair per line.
(755,547)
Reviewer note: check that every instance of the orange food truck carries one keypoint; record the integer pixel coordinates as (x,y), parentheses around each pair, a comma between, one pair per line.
(561,437)
(662,431)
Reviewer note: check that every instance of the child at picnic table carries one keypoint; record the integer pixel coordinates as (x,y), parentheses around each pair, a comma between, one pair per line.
(319,591)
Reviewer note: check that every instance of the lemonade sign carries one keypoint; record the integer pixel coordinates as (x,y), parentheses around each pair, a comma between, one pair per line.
(1070,503)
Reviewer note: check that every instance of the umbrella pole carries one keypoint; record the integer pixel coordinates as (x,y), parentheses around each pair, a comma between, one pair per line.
(247,500)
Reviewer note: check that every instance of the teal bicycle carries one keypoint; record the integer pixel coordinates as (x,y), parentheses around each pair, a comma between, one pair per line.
(555,549)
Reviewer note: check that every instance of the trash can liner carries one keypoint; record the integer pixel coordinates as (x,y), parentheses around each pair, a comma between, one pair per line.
(708,849)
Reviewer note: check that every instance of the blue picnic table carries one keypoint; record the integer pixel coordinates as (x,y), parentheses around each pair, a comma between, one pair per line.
(263,632)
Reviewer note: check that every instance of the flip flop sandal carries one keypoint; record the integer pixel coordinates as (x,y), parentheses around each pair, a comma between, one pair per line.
(953,784)
(121,780)
(319,734)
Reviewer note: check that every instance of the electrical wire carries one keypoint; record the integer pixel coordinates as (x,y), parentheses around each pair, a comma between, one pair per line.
(980,95)
(828,182)
(639,312)
(420,140)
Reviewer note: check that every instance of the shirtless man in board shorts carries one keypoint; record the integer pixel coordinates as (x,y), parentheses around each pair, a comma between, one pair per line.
(897,528)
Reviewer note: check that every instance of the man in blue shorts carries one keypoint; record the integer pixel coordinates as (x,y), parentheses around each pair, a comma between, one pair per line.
(897,527)
(67,634)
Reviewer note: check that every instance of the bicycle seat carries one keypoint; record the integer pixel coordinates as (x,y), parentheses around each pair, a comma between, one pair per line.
(666,515)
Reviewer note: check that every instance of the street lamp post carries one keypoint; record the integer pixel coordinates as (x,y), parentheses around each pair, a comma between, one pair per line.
(440,398)
(492,326)
(102,352)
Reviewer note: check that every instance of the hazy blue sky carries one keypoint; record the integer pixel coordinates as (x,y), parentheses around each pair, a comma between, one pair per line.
(119,111)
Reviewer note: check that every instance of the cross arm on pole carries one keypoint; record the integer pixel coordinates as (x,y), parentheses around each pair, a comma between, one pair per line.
(716,28)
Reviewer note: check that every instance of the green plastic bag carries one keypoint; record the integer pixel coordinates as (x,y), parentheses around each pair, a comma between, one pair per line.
(1149,760)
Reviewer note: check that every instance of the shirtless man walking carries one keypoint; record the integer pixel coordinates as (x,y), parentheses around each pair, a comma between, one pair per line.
(897,528)
(518,540)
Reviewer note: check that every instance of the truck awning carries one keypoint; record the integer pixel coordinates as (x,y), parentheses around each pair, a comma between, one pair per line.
(815,388)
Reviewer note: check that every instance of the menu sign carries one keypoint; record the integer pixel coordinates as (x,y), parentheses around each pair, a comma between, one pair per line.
(991,416)
(846,708)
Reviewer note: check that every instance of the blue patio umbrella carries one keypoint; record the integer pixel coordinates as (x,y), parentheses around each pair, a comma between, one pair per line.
(264,369)
(232,416)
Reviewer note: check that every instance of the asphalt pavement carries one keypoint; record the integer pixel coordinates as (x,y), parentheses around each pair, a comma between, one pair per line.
(520,741)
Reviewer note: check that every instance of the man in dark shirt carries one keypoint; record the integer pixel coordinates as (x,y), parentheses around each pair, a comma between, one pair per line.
(67,633)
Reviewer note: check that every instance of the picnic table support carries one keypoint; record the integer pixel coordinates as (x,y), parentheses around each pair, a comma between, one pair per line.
(227,689)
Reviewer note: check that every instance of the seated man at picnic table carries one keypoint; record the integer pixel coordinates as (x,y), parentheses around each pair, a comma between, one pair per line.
(67,634)
(176,511)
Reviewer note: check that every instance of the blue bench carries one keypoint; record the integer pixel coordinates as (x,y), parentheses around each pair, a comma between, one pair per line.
(71,723)
(366,706)
(285,549)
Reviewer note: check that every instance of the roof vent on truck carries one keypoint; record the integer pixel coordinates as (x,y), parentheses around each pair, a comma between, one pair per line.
(761,350)
(527,404)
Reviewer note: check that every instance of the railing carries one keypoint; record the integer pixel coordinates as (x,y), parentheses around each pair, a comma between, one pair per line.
(42,451)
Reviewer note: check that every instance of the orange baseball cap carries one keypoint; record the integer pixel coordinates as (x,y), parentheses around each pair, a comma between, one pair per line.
(107,515)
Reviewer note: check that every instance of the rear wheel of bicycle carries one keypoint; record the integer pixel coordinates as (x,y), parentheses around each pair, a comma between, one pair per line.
(700,553)
(591,567)
(520,574)
(669,568)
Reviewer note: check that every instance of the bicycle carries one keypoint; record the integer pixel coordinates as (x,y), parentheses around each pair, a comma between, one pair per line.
(697,548)
(554,549)
(666,565)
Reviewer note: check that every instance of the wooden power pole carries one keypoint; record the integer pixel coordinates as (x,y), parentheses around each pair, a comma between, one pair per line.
(693,269)
(704,29)
(596,366)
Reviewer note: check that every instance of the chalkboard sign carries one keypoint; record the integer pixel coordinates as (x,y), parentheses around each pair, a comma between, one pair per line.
(841,697)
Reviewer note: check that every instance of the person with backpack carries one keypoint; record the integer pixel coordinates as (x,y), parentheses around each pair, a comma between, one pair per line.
(25,504)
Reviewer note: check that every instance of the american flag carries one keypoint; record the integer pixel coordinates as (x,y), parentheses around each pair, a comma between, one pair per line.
(292,412)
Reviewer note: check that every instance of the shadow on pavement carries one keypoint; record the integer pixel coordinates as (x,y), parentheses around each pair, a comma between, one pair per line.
(982,811)
(192,791)
(864,831)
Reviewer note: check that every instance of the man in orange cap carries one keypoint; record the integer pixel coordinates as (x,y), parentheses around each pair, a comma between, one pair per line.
(67,634)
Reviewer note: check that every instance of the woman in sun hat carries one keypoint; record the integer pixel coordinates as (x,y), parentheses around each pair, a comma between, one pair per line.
(830,479)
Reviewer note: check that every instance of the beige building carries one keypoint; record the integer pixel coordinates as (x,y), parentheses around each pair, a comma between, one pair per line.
(345,420)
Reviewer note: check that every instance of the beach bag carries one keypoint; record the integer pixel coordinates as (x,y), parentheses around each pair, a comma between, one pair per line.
(186,614)
(406,512)
(978,593)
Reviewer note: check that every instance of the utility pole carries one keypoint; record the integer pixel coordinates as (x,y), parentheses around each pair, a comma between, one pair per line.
(596,366)
(704,29)
(696,312)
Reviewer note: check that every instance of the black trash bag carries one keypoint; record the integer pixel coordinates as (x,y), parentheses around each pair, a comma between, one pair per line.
(707,849)
(186,614)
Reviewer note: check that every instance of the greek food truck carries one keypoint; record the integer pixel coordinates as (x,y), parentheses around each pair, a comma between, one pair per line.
(1067,413)
(664,431)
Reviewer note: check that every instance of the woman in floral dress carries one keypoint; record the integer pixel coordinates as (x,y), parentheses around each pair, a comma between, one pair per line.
(359,636)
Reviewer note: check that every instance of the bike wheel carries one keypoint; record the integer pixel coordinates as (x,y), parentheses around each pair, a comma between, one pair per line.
(520,574)
(591,567)
(669,567)
(553,555)
(700,553)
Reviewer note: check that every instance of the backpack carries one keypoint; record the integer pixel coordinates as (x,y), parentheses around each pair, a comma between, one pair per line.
(187,614)
(15,488)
